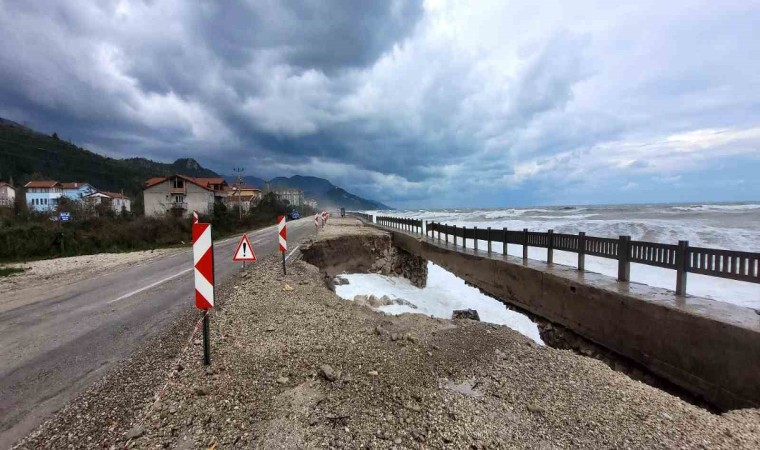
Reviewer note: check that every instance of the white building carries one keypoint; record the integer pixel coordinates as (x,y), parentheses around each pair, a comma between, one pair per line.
(118,202)
(293,197)
(179,195)
(7,195)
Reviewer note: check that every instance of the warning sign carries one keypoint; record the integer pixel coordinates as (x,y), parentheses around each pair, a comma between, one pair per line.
(244,250)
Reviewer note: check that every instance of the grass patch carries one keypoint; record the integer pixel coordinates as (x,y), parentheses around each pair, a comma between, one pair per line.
(8,271)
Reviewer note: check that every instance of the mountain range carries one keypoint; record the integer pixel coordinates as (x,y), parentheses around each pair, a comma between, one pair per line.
(323,191)
(26,154)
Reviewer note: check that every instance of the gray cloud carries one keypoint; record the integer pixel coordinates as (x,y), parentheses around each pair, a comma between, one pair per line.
(398,100)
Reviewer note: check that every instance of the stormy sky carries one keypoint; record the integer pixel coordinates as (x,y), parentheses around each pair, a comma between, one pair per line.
(417,104)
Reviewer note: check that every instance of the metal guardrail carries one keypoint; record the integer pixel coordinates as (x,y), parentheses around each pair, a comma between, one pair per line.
(400,223)
(730,264)
(363,216)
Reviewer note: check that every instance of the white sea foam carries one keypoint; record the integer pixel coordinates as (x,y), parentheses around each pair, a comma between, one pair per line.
(443,294)
(725,226)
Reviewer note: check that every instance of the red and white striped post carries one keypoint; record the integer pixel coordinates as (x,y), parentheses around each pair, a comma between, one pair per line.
(195,217)
(316,222)
(203,261)
(282,231)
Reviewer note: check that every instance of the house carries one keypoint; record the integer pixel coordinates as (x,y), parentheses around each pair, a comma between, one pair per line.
(311,203)
(118,202)
(218,185)
(76,190)
(293,197)
(180,195)
(7,195)
(43,196)
(244,196)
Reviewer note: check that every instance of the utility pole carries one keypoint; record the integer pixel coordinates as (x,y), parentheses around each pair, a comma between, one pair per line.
(239,172)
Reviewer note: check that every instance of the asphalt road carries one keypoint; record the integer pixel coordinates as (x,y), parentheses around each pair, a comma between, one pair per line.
(56,340)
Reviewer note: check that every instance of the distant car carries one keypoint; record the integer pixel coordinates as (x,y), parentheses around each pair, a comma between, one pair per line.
(294,215)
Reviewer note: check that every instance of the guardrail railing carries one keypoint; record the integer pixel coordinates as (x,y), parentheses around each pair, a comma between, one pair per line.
(363,216)
(730,264)
(400,223)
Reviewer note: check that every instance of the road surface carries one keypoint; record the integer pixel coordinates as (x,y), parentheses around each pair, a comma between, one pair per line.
(56,340)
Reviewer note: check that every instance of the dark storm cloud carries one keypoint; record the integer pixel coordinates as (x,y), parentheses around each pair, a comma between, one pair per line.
(398,100)
(323,35)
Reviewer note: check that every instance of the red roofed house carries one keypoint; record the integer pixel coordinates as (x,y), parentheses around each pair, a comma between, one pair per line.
(244,196)
(181,195)
(43,196)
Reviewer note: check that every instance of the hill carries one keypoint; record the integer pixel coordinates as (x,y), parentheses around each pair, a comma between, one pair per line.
(26,154)
(323,191)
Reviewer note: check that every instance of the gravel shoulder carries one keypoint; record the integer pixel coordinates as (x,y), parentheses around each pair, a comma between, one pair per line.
(295,366)
(74,268)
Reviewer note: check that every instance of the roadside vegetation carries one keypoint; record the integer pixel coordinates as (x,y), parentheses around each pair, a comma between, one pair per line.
(26,235)
(8,271)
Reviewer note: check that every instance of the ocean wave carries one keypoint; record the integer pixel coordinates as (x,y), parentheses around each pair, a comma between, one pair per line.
(709,207)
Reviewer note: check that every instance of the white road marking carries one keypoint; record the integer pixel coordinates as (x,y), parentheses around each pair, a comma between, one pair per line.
(152,285)
(291,253)
(145,288)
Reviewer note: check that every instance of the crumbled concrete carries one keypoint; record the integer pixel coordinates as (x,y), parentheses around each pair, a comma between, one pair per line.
(347,246)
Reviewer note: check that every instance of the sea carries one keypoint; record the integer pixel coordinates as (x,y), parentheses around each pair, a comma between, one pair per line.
(730,226)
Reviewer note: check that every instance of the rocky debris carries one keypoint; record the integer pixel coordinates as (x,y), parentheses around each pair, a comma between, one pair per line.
(135,432)
(201,390)
(466,388)
(520,396)
(374,302)
(470,314)
(283,380)
(340,281)
(328,373)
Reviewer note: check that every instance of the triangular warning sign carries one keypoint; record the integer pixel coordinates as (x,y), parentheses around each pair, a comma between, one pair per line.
(244,250)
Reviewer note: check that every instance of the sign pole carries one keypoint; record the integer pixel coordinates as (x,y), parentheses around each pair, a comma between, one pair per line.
(203,262)
(206,340)
(284,272)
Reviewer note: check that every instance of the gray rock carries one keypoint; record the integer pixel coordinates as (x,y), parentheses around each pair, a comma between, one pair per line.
(135,432)
(328,373)
(465,314)
(283,380)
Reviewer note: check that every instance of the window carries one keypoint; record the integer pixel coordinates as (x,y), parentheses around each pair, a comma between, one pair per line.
(179,199)
(179,183)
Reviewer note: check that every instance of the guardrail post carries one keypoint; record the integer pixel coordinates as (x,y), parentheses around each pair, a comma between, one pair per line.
(489,240)
(446,235)
(582,251)
(624,265)
(550,247)
(464,236)
(476,239)
(504,245)
(525,244)
(682,260)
